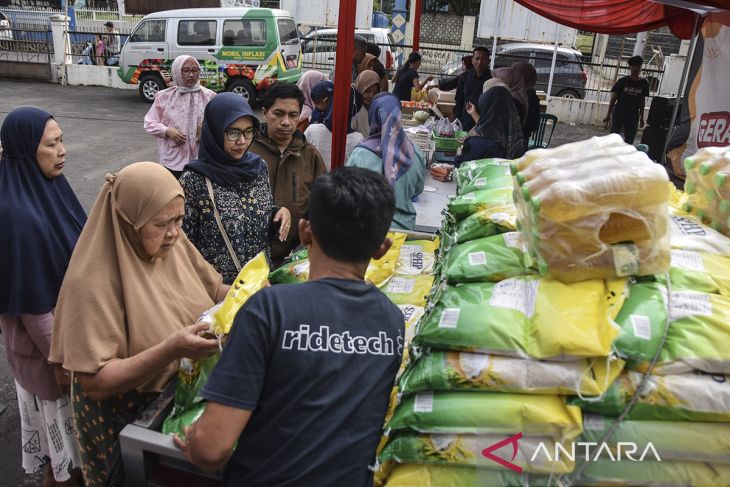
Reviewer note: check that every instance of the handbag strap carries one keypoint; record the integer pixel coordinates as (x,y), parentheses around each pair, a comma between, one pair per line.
(220,225)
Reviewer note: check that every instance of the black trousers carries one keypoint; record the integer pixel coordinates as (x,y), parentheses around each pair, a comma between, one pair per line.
(628,125)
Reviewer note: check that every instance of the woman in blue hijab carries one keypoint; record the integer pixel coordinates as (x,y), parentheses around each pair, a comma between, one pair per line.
(229,208)
(41,219)
(389,152)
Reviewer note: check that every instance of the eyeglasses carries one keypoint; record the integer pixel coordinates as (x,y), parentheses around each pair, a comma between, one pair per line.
(235,134)
(188,72)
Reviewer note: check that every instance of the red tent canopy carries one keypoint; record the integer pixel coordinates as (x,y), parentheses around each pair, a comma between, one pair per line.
(623,16)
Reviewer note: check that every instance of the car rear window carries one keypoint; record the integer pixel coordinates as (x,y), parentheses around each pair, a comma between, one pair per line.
(196,33)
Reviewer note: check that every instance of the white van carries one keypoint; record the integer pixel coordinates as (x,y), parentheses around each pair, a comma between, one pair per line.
(319,48)
(239,49)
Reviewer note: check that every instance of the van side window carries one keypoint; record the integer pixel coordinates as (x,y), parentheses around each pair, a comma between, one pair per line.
(287,32)
(244,32)
(196,33)
(149,31)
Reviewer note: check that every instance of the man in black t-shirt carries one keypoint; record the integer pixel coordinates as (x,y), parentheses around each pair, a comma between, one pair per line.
(626,109)
(469,85)
(303,383)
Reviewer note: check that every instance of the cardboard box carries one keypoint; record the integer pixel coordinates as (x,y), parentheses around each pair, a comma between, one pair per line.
(447,109)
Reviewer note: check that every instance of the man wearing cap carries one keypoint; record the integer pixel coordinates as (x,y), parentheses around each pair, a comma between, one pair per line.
(111,43)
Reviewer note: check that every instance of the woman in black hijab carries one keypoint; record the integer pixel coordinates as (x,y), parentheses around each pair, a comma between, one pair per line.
(229,208)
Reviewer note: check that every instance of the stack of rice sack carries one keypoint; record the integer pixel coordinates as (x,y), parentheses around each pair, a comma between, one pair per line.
(593,209)
(684,407)
(708,187)
(496,353)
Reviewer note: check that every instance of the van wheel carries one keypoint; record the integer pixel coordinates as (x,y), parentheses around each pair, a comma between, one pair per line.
(568,93)
(243,87)
(149,85)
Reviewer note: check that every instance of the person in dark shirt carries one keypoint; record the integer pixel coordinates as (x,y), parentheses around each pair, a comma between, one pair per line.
(628,95)
(303,383)
(406,78)
(532,117)
(469,86)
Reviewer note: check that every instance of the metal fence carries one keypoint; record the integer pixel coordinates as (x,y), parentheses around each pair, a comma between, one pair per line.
(26,53)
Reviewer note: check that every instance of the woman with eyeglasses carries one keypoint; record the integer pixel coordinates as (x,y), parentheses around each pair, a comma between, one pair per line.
(230,215)
(177,114)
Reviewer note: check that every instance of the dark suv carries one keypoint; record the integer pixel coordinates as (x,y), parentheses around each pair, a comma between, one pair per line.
(570,77)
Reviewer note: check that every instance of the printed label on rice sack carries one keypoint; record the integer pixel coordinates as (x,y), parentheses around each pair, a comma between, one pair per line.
(687,260)
(515,241)
(641,326)
(400,285)
(689,303)
(480,182)
(449,318)
(517,294)
(414,260)
(477,258)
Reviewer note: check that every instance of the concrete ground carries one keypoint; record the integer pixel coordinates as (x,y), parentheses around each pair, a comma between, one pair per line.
(102,132)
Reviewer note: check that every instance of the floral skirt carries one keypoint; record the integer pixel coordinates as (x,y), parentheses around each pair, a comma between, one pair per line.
(98,424)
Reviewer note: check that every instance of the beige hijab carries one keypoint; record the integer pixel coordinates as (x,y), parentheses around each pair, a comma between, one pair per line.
(115,300)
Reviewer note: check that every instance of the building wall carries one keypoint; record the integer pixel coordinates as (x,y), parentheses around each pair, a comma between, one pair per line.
(144,7)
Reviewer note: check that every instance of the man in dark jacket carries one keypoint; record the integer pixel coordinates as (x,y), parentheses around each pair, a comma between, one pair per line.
(469,85)
(293,162)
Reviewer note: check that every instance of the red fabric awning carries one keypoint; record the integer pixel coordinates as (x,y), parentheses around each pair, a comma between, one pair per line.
(620,16)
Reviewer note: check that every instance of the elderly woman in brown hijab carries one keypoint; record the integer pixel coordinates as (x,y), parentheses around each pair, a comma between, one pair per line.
(368,84)
(532,119)
(127,309)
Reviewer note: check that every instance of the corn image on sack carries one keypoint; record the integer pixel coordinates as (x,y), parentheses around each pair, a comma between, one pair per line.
(464,205)
(488,259)
(488,413)
(697,338)
(526,317)
(700,442)
(682,397)
(443,371)
(463,449)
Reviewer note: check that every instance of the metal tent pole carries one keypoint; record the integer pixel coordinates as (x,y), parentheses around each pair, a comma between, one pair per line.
(680,91)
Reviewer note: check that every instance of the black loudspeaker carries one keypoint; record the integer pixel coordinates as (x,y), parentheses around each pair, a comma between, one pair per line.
(660,112)
(655,136)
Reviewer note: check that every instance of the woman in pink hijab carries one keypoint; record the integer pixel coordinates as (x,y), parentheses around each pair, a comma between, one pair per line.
(177,115)
(306,83)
